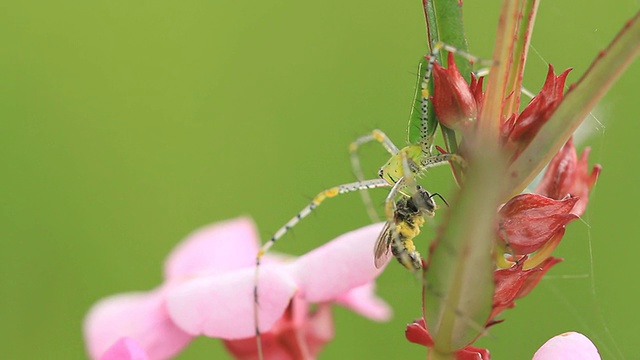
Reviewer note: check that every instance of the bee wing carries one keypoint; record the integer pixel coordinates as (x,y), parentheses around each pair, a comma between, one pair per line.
(382,250)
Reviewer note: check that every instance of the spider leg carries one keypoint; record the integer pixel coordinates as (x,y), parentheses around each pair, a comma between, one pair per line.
(383,139)
(315,202)
(426,139)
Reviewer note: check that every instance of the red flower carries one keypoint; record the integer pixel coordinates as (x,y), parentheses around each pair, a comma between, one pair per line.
(455,102)
(417,333)
(296,335)
(517,132)
(528,221)
(516,282)
(457,105)
(568,176)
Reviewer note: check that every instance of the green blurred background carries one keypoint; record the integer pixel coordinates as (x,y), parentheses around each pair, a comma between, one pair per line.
(125,125)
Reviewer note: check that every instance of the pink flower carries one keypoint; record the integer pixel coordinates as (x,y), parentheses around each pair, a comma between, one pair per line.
(568,346)
(140,316)
(208,290)
(124,349)
(222,306)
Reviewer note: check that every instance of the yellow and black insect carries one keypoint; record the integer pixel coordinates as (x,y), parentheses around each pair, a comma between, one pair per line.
(397,237)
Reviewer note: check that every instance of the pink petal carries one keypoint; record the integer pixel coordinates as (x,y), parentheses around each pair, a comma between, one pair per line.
(319,329)
(214,249)
(338,266)
(363,301)
(223,306)
(568,346)
(139,316)
(124,349)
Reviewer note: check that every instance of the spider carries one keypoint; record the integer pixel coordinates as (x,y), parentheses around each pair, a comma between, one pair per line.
(404,216)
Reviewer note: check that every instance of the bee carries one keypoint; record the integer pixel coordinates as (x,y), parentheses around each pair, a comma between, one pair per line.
(397,238)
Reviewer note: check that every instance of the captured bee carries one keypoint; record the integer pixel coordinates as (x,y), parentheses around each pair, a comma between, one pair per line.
(408,218)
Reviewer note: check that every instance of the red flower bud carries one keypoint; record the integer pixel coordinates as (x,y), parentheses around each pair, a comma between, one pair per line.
(454,101)
(518,132)
(509,282)
(566,175)
(417,333)
(528,221)
(515,282)
(535,278)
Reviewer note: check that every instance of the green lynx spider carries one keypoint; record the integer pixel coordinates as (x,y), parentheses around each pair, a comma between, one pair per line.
(398,173)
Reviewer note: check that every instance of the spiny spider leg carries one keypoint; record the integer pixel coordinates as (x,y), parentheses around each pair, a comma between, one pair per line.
(426,139)
(383,139)
(317,201)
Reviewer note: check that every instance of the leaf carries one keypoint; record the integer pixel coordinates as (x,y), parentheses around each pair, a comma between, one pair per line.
(576,105)
(444,24)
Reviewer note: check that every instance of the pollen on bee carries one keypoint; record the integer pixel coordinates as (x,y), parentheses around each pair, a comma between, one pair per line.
(410,246)
(407,231)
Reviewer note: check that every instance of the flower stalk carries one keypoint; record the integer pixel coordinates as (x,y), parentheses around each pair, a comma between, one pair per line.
(488,255)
